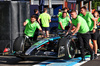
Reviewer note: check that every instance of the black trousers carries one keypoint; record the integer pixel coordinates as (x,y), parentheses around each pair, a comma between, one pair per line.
(35,35)
(84,43)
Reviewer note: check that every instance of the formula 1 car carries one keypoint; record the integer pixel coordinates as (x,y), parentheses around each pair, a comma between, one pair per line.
(58,46)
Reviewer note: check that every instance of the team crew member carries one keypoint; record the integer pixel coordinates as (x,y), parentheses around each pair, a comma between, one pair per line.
(80,14)
(96,16)
(63,21)
(36,13)
(37,31)
(61,13)
(83,34)
(92,28)
(45,19)
(31,25)
(98,21)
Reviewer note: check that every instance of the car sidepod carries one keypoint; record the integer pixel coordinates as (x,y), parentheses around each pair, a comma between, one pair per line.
(45,47)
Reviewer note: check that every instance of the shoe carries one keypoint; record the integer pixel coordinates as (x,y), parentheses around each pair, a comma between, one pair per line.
(95,56)
(83,59)
(92,57)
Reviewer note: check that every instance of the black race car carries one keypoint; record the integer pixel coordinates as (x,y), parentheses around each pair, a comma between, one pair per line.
(58,46)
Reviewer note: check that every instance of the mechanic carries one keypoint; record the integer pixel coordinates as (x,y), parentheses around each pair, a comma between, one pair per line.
(61,13)
(36,13)
(92,28)
(31,25)
(37,31)
(83,34)
(63,22)
(45,19)
(96,15)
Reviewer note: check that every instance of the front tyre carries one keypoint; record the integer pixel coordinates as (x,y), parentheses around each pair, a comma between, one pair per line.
(70,47)
(67,48)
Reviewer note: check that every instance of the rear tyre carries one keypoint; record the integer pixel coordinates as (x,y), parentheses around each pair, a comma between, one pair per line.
(18,44)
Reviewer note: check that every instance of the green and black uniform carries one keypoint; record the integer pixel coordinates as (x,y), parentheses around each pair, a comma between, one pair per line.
(64,21)
(88,17)
(60,15)
(45,17)
(83,35)
(37,30)
(83,27)
(80,14)
(99,19)
(31,28)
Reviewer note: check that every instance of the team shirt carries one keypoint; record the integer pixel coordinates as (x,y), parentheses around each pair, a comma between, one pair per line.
(45,17)
(64,21)
(99,19)
(31,28)
(83,27)
(80,14)
(59,13)
(88,17)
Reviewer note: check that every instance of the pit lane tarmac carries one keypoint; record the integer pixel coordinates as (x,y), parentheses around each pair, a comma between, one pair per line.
(35,61)
(14,61)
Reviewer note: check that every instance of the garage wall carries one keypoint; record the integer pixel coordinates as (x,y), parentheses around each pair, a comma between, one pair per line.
(12,16)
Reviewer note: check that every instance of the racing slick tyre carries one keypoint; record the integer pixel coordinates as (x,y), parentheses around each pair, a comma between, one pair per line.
(18,44)
(68,47)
